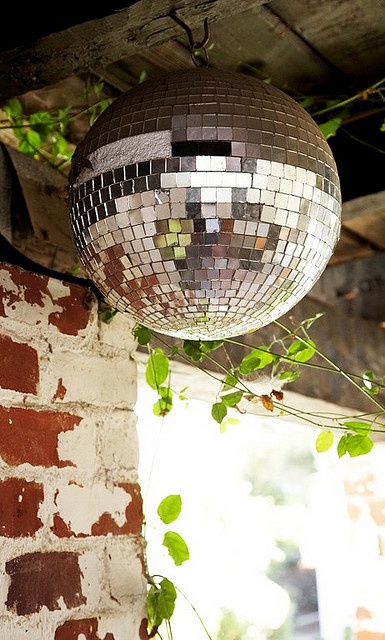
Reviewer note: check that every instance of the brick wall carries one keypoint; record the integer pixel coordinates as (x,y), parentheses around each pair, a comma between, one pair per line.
(71,547)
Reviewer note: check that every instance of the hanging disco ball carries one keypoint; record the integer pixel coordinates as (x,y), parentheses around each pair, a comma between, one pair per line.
(204,204)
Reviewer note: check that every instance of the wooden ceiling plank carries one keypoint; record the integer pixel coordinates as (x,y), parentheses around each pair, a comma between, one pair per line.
(260,41)
(350,34)
(365,217)
(154,61)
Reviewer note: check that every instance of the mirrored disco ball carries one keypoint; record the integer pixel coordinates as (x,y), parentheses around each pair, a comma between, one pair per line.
(205,204)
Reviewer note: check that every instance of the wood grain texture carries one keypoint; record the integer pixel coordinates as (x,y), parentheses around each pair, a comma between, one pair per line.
(96,43)
(348,34)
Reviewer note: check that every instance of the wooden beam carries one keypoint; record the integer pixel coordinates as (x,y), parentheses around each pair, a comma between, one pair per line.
(97,43)
(365,217)
(349,34)
(34,216)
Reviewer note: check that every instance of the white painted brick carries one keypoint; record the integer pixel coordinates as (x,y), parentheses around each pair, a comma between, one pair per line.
(79,446)
(119,447)
(118,333)
(123,627)
(124,569)
(91,379)
(18,307)
(80,507)
(92,576)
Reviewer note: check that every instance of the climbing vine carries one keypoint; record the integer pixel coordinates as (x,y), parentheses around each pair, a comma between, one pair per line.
(282,361)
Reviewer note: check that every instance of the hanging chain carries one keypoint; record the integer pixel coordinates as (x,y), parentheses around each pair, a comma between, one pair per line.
(195,47)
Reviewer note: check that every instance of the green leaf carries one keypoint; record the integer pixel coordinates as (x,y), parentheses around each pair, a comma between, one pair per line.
(358,426)
(307,102)
(182,394)
(288,376)
(369,379)
(358,445)
(30,143)
(60,147)
(193,349)
(230,381)
(196,350)
(157,368)
(228,422)
(219,411)
(211,345)
(324,440)
(164,404)
(176,546)
(160,602)
(382,127)
(341,446)
(330,128)
(232,399)
(301,351)
(143,76)
(13,108)
(169,508)
(107,314)
(41,122)
(142,334)
(257,359)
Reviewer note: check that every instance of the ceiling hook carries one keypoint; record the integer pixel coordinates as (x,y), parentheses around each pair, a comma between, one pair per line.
(195,47)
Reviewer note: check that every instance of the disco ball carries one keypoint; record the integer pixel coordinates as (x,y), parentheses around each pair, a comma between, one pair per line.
(204,204)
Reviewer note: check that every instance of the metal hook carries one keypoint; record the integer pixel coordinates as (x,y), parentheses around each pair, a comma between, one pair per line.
(194,46)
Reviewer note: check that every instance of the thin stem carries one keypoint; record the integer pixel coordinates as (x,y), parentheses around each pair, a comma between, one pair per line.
(196,612)
(335,419)
(366,144)
(335,367)
(347,101)
(311,365)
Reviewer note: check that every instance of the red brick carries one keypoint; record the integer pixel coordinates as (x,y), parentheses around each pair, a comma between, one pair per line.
(19,366)
(41,580)
(32,288)
(134,516)
(31,436)
(60,390)
(74,313)
(19,506)
(86,628)
(106,524)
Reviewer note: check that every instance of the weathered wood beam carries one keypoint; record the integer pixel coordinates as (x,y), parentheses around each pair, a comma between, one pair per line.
(34,217)
(349,34)
(365,217)
(96,43)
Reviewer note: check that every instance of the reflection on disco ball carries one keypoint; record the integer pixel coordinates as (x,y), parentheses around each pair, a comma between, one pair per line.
(205,204)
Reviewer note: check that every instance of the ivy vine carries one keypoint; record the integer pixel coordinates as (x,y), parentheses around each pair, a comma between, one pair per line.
(282,360)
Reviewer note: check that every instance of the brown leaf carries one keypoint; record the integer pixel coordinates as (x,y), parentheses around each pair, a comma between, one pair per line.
(278,395)
(267,402)
(235,406)
(250,397)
